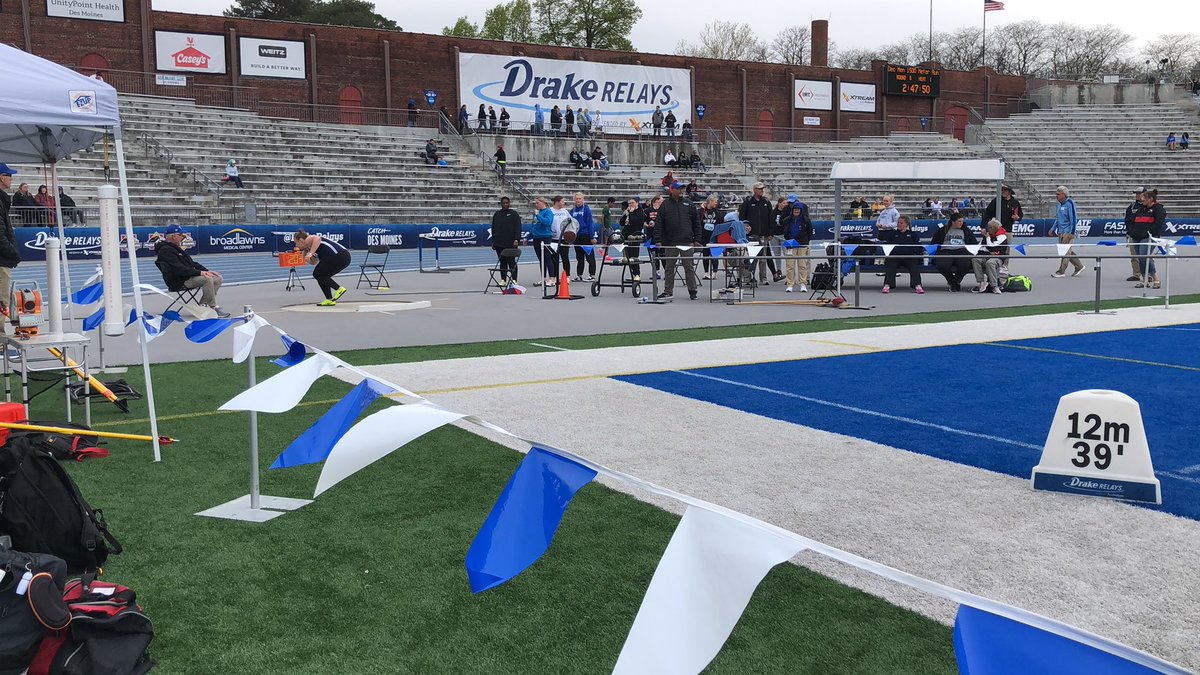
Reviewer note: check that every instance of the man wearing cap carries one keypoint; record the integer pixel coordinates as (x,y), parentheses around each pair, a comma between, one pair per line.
(180,271)
(1009,209)
(1065,217)
(10,255)
(678,225)
(1130,211)
(756,211)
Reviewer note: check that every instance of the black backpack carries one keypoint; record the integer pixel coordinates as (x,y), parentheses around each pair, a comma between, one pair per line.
(63,446)
(42,510)
(20,630)
(107,633)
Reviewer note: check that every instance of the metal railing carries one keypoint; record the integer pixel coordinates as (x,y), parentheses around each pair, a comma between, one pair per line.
(200,180)
(743,156)
(618,128)
(1026,189)
(336,114)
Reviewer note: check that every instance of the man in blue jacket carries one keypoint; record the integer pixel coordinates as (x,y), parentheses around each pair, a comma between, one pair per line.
(1064,229)
(797,234)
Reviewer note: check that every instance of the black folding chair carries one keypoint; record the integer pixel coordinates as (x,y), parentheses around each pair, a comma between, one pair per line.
(372,272)
(183,294)
(496,273)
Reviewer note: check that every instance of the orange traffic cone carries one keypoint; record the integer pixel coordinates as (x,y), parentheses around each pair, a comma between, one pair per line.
(564,287)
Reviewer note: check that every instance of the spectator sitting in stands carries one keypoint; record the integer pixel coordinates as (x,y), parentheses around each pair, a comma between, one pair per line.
(441,161)
(669,158)
(695,162)
(1172,144)
(71,213)
(431,154)
(667,180)
(986,265)
(599,161)
(685,159)
(231,174)
(1184,141)
(26,206)
(928,212)
(577,159)
(935,209)
(951,258)
(907,244)
(857,207)
(45,201)
(692,190)
(876,208)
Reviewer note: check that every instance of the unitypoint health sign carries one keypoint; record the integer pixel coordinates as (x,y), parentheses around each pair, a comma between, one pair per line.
(619,92)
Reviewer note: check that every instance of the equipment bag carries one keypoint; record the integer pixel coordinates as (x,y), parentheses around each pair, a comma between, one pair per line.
(42,510)
(822,278)
(1018,283)
(63,446)
(20,631)
(108,633)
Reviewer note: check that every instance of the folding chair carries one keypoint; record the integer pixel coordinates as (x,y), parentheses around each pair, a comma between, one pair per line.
(372,272)
(183,294)
(496,273)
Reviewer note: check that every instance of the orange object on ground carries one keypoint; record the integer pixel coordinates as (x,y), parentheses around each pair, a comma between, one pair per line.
(291,259)
(564,288)
(10,412)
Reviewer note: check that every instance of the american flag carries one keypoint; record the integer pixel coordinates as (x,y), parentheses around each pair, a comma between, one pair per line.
(992,5)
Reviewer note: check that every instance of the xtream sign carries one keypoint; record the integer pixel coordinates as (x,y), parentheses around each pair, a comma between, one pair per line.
(619,92)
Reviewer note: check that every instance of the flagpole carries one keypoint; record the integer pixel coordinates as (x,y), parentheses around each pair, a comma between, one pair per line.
(930,30)
(984,64)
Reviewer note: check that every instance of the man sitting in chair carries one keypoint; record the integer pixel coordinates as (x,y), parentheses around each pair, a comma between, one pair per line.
(180,271)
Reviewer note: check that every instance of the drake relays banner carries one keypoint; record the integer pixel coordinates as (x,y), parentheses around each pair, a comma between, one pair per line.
(619,92)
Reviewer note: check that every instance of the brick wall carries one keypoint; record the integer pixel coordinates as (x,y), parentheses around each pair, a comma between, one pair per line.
(355,56)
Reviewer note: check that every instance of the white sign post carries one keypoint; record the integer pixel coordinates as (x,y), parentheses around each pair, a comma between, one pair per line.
(1097,447)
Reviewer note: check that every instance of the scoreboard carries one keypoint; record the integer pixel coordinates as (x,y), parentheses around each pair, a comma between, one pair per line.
(912,81)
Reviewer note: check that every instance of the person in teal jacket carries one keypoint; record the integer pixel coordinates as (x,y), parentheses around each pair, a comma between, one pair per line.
(541,231)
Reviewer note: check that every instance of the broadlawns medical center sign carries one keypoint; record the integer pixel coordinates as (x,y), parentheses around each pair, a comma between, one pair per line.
(619,92)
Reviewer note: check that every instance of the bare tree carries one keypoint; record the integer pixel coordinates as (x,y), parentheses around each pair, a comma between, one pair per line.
(792,45)
(852,59)
(962,48)
(1181,52)
(726,40)
(1021,48)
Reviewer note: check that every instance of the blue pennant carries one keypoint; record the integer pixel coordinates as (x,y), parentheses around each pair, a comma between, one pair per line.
(95,319)
(88,294)
(587,250)
(206,329)
(849,249)
(930,249)
(523,522)
(987,644)
(1020,248)
(315,444)
(1106,243)
(132,317)
(1186,241)
(296,351)
(172,315)
(716,251)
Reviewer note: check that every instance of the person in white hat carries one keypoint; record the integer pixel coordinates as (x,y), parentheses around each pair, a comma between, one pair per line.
(231,173)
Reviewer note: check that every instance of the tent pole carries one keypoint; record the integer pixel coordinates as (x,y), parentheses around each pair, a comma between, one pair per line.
(66,269)
(131,247)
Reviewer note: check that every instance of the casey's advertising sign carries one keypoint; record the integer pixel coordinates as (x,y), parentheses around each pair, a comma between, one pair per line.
(189,52)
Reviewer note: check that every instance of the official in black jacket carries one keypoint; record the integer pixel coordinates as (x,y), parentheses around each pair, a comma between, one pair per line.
(907,244)
(1130,212)
(678,225)
(756,211)
(180,271)
(506,234)
(1010,209)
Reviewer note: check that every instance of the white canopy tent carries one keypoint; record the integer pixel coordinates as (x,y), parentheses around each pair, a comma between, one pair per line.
(48,112)
(956,169)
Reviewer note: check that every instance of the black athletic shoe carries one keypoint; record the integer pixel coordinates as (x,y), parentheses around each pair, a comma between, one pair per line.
(665,296)
(692,295)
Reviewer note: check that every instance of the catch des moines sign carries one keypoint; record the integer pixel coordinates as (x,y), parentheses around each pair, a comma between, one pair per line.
(619,92)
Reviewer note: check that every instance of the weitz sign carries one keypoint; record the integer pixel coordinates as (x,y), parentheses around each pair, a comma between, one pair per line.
(857,97)
(814,95)
(90,10)
(190,52)
(619,92)
(271,58)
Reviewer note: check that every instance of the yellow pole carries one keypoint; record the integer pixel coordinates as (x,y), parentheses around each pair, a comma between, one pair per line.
(92,382)
(165,440)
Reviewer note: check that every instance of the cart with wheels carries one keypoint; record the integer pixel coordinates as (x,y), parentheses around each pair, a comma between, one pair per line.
(624,263)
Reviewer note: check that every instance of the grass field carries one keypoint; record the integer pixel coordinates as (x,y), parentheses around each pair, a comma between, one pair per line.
(370,578)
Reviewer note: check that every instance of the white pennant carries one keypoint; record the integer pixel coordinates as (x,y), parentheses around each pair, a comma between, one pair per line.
(684,248)
(553,246)
(972,248)
(1063,249)
(376,436)
(151,329)
(887,248)
(620,248)
(752,251)
(243,337)
(699,591)
(283,391)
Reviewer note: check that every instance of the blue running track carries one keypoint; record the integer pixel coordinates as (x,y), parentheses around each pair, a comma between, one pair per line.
(984,405)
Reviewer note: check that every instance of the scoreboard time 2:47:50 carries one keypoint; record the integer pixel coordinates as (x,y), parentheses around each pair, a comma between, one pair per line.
(912,81)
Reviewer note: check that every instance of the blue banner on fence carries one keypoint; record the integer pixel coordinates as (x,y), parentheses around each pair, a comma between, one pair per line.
(1036,227)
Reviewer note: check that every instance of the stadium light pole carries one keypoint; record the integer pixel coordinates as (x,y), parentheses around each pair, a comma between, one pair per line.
(930,30)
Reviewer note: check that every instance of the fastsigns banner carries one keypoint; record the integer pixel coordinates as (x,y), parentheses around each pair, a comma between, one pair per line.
(271,58)
(857,97)
(189,52)
(88,10)
(619,92)
(814,95)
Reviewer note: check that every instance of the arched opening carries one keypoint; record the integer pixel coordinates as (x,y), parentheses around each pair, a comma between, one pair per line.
(902,125)
(766,125)
(956,122)
(94,64)
(350,105)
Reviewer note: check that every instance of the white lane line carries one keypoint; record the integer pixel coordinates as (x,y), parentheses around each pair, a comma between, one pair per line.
(865,411)
(561,349)
(1172,474)
(1195,468)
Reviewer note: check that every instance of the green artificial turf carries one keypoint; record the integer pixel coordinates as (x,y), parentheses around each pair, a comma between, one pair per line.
(370,579)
